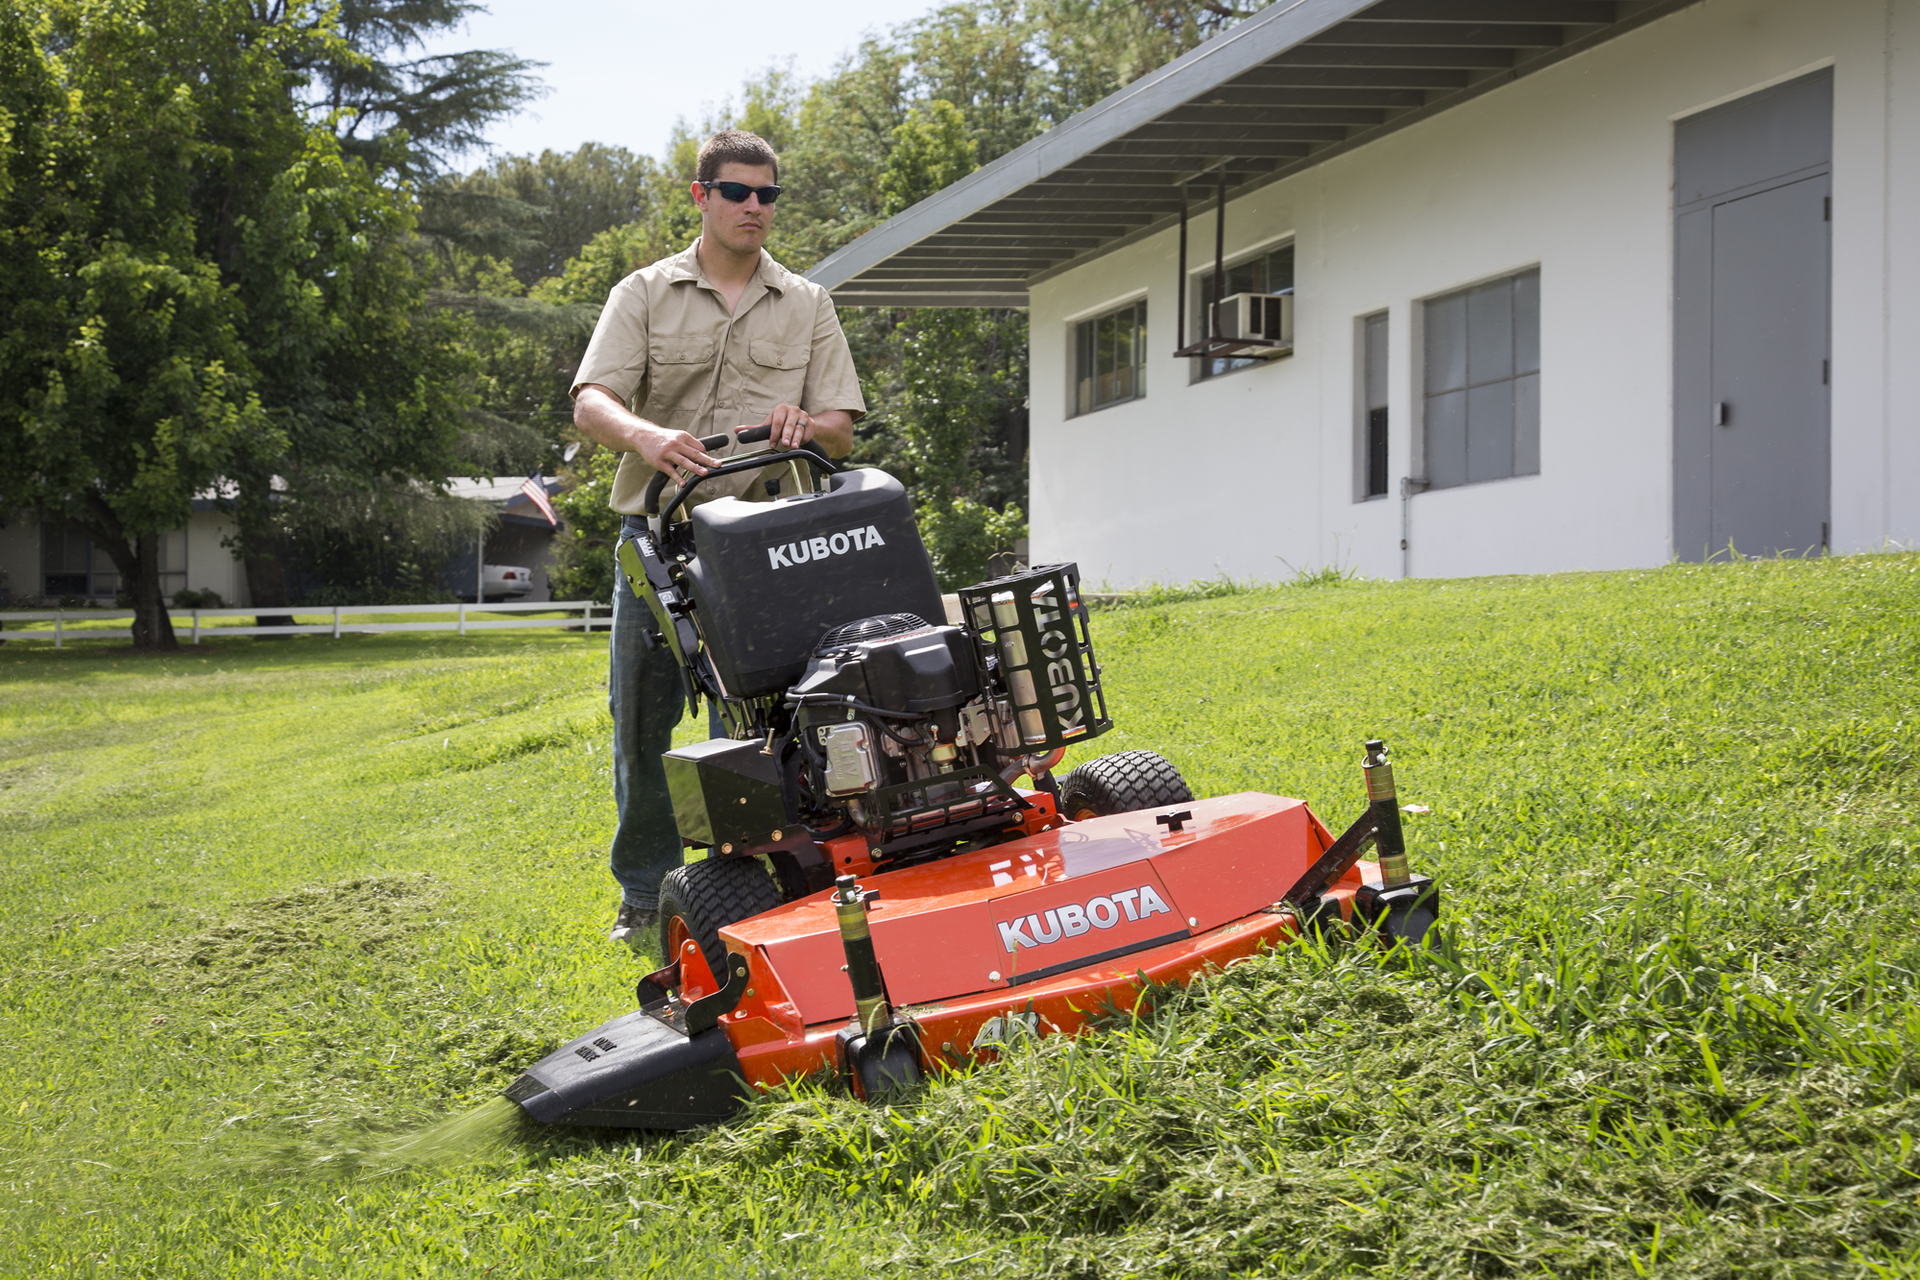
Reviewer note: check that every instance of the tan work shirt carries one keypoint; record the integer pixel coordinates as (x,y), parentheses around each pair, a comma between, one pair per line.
(667,345)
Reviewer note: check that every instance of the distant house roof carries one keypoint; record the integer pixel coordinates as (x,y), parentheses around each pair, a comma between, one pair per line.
(1286,89)
(504,492)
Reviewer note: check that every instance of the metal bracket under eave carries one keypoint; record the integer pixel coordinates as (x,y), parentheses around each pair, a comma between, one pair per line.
(1213,344)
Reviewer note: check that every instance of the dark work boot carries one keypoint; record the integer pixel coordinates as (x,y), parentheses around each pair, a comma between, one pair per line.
(634,926)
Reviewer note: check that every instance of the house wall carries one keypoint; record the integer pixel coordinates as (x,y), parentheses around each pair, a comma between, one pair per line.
(19,554)
(1570,169)
(209,564)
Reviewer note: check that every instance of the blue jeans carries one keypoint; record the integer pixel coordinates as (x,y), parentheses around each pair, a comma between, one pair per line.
(646,697)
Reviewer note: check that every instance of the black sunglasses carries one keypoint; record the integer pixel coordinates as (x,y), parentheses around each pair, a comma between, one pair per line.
(738,191)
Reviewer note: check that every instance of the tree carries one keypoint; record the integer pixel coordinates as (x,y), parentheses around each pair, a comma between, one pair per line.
(535,213)
(202,292)
(931,150)
(376,93)
(125,387)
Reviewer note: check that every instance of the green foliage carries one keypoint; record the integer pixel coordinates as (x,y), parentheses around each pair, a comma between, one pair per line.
(963,537)
(583,554)
(533,214)
(379,93)
(325,894)
(1155,594)
(931,150)
(965,379)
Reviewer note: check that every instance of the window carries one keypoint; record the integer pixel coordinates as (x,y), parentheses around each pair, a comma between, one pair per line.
(1271,272)
(1372,450)
(66,558)
(70,565)
(1483,382)
(1109,358)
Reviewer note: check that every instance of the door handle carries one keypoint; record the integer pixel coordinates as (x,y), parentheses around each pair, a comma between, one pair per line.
(1720,415)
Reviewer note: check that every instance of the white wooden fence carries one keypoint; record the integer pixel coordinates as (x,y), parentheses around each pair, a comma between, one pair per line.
(335,620)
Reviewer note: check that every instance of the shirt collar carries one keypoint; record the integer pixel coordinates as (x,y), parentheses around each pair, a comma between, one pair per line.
(685,265)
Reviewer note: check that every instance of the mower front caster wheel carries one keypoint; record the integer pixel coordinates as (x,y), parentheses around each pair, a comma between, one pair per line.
(1121,783)
(698,899)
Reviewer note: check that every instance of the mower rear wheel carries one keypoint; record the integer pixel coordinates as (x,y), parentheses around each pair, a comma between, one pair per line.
(696,900)
(1121,783)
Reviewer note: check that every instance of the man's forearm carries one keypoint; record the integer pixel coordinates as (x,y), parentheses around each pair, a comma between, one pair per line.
(834,430)
(602,419)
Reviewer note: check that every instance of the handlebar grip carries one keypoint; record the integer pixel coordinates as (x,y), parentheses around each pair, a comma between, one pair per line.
(746,435)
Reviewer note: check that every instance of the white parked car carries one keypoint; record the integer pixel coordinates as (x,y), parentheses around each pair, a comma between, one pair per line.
(505,581)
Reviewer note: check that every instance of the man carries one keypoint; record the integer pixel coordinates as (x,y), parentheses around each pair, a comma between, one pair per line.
(717,337)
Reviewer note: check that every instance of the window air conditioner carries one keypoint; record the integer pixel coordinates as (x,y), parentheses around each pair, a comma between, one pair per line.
(1265,316)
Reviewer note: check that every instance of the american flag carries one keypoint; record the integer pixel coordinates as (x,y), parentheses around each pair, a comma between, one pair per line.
(537,494)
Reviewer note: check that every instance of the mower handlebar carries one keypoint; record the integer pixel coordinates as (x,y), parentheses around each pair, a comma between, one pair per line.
(745,435)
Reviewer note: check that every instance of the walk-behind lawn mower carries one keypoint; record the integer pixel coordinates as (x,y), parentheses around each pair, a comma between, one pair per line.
(877,899)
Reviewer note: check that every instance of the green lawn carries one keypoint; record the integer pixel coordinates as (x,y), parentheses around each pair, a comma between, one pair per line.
(275,911)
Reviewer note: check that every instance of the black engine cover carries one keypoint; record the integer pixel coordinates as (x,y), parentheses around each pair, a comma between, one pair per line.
(768,579)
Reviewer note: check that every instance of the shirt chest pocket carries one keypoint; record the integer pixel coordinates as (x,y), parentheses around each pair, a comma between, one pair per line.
(678,373)
(779,370)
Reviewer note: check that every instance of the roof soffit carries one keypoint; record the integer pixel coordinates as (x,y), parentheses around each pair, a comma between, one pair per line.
(1289,88)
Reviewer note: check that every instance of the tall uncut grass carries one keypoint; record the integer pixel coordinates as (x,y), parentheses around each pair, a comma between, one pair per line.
(282,918)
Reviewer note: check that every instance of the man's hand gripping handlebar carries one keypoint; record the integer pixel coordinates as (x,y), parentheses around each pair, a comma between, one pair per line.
(650,504)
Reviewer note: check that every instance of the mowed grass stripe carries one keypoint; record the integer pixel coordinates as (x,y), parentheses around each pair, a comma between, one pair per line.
(275,905)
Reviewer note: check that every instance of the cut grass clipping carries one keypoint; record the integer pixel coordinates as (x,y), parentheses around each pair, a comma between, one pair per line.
(282,918)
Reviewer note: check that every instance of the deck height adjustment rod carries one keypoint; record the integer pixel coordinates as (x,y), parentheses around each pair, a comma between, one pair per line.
(1402,906)
(863,968)
(1385,805)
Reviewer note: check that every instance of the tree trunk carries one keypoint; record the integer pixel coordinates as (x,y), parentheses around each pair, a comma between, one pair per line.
(152,624)
(139,565)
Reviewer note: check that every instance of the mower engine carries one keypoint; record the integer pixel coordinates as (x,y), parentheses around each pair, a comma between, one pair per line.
(854,707)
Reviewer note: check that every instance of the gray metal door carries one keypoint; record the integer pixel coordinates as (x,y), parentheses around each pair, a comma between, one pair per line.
(1752,283)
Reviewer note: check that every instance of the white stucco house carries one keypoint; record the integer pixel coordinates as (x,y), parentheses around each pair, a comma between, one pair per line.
(1573,284)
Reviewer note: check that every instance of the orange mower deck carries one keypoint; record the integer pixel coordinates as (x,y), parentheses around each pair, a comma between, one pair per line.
(1034,935)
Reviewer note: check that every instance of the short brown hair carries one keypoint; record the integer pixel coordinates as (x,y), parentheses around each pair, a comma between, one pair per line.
(734,146)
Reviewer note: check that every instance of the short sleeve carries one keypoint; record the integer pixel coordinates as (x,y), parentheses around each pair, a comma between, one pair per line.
(617,356)
(831,380)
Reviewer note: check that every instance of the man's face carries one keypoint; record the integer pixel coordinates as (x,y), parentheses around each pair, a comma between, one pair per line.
(739,228)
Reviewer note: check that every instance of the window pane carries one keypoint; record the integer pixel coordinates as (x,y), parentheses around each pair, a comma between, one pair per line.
(1446,344)
(1526,323)
(1490,432)
(1526,425)
(1376,452)
(1140,348)
(1280,269)
(1376,358)
(1490,333)
(1447,440)
(1103,382)
(1083,367)
(1109,353)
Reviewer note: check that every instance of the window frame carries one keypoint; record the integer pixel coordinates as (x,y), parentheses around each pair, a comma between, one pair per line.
(1198,284)
(1366,431)
(1421,345)
(1083,331)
